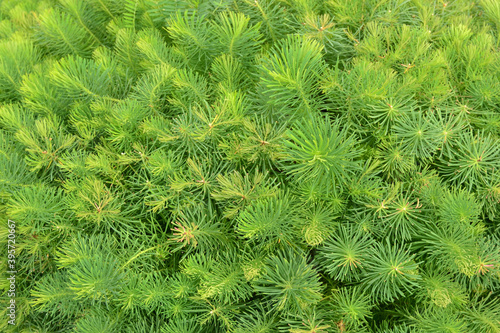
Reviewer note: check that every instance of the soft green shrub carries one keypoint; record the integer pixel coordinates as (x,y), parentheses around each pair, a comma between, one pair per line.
(199,166)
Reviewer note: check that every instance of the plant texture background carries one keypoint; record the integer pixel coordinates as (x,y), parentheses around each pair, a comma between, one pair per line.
(244,166)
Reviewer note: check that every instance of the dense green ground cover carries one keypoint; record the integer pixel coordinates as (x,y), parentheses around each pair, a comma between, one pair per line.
(192,166)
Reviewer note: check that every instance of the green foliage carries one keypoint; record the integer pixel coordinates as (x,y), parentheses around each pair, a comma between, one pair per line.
(193,39)
(97,206)
(236,191)
(198,231)
(391,271)
(289,282)
(38,207)
(343,255)
(474,157)
(286,83)
(269,222)
(209,166)
(416,134)
(352,307)
(80,78)
(60,35)
(318,149)
(18,57)
(235,37)
(44,143)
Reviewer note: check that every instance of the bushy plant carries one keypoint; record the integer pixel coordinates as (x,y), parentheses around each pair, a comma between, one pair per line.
(181,166)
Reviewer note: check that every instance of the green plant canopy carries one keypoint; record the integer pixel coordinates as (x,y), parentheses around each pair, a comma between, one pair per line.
(250,166)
